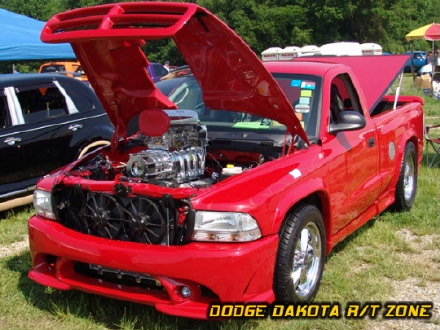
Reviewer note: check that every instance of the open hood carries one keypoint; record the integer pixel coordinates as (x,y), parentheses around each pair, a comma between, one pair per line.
(109,40)
(375,74)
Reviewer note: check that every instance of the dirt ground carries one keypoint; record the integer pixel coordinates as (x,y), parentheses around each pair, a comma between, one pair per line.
(415,289)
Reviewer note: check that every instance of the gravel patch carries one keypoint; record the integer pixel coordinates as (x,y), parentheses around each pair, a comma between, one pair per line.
(416,289)
(14,248)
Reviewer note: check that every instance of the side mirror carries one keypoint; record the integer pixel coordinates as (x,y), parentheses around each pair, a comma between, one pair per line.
(348,120)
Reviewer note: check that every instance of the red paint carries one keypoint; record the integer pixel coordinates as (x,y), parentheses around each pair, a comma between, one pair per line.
(352,179)
(214,265)
(245,83)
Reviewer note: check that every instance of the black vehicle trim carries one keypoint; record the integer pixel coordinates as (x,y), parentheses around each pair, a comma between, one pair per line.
(52,125)
(17,192)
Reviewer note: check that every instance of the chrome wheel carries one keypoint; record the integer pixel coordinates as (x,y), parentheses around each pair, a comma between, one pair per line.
(409,178)
(406,185)
(301,255)
(307,260)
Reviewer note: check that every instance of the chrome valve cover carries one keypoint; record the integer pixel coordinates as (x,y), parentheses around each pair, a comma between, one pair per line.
(176,157)
(178,166)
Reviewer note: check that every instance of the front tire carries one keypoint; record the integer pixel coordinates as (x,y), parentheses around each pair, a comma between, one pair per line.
(406,187)
(301,256)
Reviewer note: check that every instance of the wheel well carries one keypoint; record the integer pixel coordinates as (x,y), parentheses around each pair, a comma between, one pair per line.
(413,139)
(319,199)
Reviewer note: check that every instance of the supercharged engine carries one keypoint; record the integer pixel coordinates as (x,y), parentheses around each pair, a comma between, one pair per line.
(176,157)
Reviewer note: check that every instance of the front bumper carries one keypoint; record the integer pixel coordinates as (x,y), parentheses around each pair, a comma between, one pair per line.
(229,272)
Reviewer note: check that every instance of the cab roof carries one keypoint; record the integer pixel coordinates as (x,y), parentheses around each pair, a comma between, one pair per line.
(317,69)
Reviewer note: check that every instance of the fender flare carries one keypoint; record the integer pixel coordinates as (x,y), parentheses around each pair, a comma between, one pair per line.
(409,135)
(307,188)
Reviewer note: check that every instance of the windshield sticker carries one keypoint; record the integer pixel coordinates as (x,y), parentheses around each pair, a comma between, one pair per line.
(308,84)
(251,125)
(306,93)
(302,108)
(296,83)
(304,100)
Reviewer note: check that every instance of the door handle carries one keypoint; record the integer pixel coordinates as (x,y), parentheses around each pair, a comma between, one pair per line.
(75,127)
(12,140)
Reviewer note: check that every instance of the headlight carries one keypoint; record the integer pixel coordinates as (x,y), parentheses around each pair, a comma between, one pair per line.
(43,204)
(225,227)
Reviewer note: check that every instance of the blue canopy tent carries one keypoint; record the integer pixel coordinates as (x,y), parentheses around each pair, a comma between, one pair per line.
(20,40)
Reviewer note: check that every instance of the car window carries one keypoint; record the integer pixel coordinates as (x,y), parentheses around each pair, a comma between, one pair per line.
(4,112)
(80,94)
(42,102)
(53,68)
(303,91)
(159,70)
(343,97)
(80,70)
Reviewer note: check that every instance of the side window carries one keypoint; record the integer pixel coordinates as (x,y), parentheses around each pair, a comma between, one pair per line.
(53,68)
(343,97)
(4,112)
(159,70)
(40,103)
(82,96)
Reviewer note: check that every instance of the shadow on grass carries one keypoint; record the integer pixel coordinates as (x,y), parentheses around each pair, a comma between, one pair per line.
(14,211)
(430,158)
(102,311)
(343,244)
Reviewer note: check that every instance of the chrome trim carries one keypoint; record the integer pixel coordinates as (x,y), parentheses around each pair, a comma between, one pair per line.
(307,260)
(16,192)
(52,125)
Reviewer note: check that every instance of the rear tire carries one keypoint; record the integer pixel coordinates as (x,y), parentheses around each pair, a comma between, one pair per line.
(301,256)
(406,186)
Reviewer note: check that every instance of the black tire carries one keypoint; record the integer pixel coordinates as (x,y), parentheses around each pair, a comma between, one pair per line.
(406,186)
(293,266)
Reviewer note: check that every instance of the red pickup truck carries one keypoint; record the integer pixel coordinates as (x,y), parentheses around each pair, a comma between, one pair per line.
(238,179)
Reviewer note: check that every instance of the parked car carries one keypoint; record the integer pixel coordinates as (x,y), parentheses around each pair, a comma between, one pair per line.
(46,121)
(177,71)
(157,71)
(69,68)
(239,198)
(416,61)
(75,70)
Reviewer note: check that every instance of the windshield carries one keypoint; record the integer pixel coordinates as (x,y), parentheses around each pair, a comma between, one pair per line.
(303,91)
(53,68)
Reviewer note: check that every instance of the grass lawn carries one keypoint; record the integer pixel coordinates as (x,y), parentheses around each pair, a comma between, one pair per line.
(371,265)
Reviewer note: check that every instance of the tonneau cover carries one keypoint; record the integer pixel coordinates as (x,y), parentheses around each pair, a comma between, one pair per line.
(375,73)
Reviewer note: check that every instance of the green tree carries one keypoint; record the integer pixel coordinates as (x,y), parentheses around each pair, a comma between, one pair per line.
(41,10)
(266,23)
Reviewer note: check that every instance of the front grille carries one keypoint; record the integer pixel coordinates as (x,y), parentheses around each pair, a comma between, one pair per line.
(138,219)
(119,277)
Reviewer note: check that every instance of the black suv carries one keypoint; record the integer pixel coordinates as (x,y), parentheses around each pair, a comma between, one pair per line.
(46,121)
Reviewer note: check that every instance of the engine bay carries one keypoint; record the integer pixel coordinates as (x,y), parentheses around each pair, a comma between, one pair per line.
(182,157)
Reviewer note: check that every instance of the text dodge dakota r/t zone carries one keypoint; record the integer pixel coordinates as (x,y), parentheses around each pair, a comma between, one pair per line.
(230,183)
